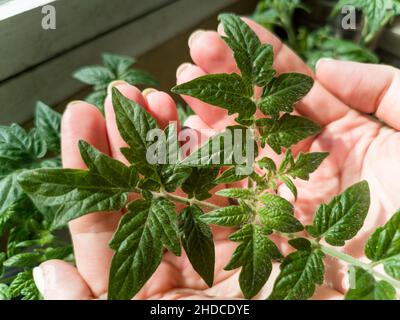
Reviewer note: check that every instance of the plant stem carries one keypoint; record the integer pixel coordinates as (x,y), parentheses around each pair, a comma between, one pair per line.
(184,200)
(346,258)
(288,25)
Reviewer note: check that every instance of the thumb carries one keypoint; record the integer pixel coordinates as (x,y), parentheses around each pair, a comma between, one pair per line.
(58,280)
(369,88)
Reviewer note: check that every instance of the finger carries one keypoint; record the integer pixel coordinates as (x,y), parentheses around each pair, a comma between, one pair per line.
(319,105)
(324,292)
(365,87)
(58,280)
(211,53)
(286,60)
(114,137)
(161,106)
(90,233)
(208,113)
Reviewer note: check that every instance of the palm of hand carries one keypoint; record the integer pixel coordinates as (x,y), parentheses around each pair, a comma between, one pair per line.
(357,144)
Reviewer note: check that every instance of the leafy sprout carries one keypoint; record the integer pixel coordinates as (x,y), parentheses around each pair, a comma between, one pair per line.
(115,67)
(151,225)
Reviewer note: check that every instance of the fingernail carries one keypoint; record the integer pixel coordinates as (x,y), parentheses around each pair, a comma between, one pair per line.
(321,60)
(114,84)
(181,68)
(38,277)
(194,35)
(148,91)
(72,103)
(220,28)
(102,297)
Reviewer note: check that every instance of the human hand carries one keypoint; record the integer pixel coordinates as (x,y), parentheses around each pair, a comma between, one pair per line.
(344,95)
(226,282)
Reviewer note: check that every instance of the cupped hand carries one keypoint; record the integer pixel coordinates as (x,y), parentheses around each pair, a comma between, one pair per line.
(342,95)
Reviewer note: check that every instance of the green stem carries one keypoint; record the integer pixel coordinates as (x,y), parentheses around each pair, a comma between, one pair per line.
(184,200)
(288,26)
(346,258)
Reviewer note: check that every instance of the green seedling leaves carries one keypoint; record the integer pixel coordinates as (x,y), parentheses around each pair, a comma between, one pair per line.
(227,91)
(232,216)
(254,255)
(367,288)
(48,124)
(300,272)
(287,131)
(343,217)
(253,58)
(73,193)
(197,240)
(282,93)
(278,214)
(200,182)
(115,67)
(142,233)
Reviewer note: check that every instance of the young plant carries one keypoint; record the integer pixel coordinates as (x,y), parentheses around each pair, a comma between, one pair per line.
(151,224)
(115,67)
(322,42)
(377,14)
(30,240)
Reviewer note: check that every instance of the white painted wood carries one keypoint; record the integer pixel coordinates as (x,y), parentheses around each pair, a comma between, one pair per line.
(52,81)
(24,43)
(10,8)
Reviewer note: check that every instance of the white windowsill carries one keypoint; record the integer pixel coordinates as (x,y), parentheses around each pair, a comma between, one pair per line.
(10,8)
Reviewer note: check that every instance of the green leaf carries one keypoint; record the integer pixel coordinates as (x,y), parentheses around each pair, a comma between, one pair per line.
(392,267)
(172,174)
(300,244)
(232,216)
(231,175)
(227,91)
(253,58)
(134,123)
(142,233)
(25,259)
(305,164)
(197,240)
(73,193)
(367,288)
(10,191)
(287,131)
(254,255)
(267,163)
(283,92)
(278,214)
(343,217)
(94,75)
(23,286)
(200,182)
(4,292)
(385,241)
(118,64)
(291,186)
(48,124)
(139,77)
(97,99)
(300,272)
(236,145)
(236,193)
(19,149)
